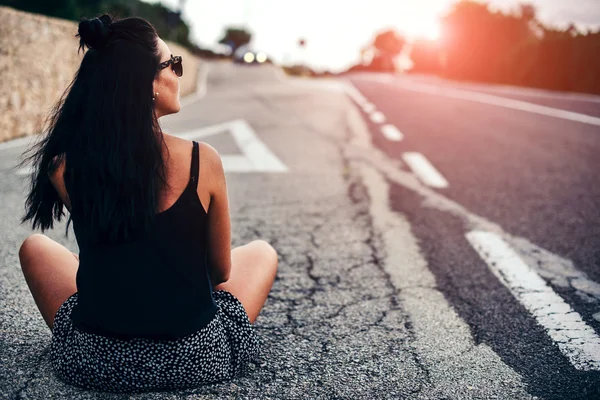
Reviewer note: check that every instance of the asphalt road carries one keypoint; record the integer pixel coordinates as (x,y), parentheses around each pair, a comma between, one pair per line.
(536,176)
(385,288)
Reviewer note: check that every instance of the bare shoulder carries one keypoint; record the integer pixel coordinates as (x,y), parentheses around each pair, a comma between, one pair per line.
(182,145)
(210,155)
(211,167)
(212,175)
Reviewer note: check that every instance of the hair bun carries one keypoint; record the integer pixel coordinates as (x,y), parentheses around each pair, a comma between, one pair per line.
(95,33)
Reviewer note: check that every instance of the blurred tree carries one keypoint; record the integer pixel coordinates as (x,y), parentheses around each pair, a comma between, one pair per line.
(56,8)
(515,48)
(389,41)
(386,46)
(168,23)
(527,12)
(235,38)
(480,43)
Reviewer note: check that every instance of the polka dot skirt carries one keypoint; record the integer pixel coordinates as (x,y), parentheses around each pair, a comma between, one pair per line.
(219,351)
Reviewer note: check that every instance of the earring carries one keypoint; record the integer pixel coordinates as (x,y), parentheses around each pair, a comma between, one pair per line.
(155,96)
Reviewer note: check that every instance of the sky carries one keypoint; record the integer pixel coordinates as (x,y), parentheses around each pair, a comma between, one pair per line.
(336,30)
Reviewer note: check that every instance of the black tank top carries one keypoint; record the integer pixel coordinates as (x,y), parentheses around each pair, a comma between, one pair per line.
(156,286)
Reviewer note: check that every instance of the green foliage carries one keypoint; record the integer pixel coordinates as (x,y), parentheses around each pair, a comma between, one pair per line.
(479,44)
(235,38)
(168,23)
(68,9)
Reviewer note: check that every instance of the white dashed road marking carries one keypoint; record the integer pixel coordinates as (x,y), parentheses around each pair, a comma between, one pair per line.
(575,339)
(391,133)
(356,95)
(424,170)
(377,117)
(442,339)
(369,107)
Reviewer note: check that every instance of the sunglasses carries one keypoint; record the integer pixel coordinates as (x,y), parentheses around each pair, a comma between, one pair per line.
(176,64)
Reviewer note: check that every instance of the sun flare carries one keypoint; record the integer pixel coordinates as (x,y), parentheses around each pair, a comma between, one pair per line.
(424,29)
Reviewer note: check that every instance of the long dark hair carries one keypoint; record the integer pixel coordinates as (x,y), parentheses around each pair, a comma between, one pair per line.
(105,129)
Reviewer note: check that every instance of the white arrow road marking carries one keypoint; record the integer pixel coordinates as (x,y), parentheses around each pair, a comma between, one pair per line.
(391,133)
(25,171)
(575,339)
(256,155)
(424,170)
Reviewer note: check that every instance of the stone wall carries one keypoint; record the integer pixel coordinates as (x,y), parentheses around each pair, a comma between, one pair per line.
(38,59)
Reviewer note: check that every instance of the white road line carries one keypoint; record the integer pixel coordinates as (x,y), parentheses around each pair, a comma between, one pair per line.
(575,339)
(377,117)
(534,92)
(260,156)
(355,94)
(391,133)
(236,163)
(441,337)
(384,78)
(256,155)
(368,107)
(24,171)
(501,102)
(433,199)
(424,170)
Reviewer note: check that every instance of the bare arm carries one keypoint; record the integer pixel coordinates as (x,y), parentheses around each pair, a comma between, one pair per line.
(219,224)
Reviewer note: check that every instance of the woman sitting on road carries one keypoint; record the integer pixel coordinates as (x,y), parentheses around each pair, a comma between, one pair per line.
(156,299)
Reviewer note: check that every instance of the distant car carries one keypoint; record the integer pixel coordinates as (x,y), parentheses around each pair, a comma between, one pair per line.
(244,55)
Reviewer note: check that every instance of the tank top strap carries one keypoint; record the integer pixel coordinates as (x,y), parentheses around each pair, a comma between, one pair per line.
(195,168)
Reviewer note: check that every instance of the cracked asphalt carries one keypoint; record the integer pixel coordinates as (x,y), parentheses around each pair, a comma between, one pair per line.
(354,312)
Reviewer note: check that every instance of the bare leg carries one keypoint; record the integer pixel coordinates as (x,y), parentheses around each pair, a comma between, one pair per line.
(253,270)
(50,270)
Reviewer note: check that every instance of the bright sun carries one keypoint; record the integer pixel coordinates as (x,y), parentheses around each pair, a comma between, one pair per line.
(432,31)
(427,29)
(418,20)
